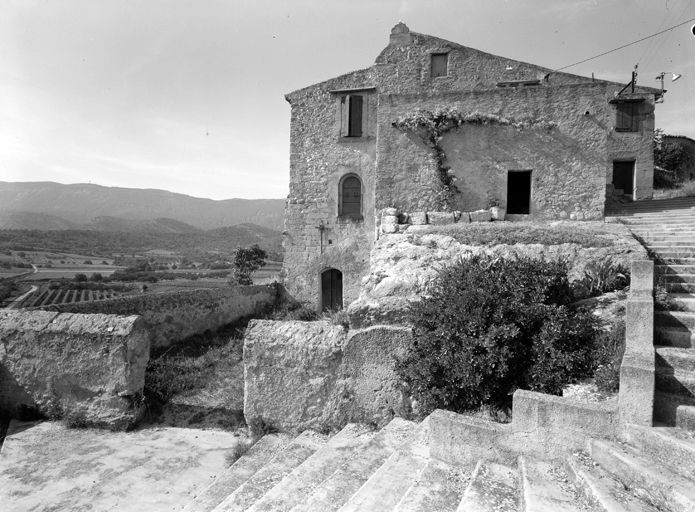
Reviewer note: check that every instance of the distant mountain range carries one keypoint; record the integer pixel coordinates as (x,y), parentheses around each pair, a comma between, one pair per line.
(49,206)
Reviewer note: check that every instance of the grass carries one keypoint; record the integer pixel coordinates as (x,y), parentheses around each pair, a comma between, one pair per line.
(513,233)
(237,452)
(684,189)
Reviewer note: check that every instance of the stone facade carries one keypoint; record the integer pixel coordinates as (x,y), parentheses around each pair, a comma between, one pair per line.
(561,133)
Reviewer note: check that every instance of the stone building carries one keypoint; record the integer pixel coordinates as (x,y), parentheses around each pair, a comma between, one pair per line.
(434,126)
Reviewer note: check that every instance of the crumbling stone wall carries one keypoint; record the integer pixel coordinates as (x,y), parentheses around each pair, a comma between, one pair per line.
(172,317)
(299,375)
(62,363)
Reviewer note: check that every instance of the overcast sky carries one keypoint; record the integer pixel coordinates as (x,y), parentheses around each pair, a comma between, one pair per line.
(188,96)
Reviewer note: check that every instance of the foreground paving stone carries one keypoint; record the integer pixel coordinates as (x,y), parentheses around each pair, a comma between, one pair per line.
(49,467)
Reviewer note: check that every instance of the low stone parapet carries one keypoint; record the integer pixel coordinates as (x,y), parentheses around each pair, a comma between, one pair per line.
(90,367)
(300,375)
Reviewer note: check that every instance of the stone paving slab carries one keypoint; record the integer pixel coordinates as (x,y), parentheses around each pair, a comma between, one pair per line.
(48,467)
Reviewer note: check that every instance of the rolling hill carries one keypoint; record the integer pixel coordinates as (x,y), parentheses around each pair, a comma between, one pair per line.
(54,206)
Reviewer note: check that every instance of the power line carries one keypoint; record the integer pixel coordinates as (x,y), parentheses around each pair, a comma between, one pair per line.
(656,51)
(669,12)
(625,46)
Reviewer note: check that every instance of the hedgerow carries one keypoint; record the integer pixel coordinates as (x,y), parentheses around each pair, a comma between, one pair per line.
(493,325)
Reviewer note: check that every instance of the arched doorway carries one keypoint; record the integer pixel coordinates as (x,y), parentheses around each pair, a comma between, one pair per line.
(331,290)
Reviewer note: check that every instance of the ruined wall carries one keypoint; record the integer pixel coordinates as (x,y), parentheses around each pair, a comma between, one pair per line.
(171,317)
(72,363)
(301,375)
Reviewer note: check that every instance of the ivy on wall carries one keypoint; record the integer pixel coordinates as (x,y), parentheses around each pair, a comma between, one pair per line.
(431,126)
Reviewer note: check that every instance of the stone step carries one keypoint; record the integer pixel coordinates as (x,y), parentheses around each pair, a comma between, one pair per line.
(678,319)
(385,488)
(677,278)
(493,487)
(674,410)
(239,472)
(661,270)
(335,490)
(673,447)
(545,487)
(674,337)
(687,244)
(688,288)
(439,487)
(652,482)
(685,301)
(682,359)
(672,253)
(296,486)
(598,490)
(300,449)
(675,381)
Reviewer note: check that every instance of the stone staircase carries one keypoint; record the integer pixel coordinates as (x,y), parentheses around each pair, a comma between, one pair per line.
(359,469)
(667,228)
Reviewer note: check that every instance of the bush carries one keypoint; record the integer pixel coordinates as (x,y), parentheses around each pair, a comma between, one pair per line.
(610,348)
(602,277)
(492,326)
(246,261)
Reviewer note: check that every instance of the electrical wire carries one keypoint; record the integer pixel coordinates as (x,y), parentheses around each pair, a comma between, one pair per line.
(656,51)
(669,12)
(624,46)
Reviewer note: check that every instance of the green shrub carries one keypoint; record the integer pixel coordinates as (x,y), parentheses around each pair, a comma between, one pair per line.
(610,347)
(601,277)
(338,317)
(493,325)
(258,427)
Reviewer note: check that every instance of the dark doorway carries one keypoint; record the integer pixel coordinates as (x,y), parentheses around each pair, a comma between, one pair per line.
(519,192)
(623,175)
(331,290)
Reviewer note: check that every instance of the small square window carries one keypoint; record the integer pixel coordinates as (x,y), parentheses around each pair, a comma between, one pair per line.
(440,62)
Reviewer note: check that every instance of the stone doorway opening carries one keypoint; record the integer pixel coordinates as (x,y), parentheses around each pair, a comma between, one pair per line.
(519,192)
(331,290)
(624,177)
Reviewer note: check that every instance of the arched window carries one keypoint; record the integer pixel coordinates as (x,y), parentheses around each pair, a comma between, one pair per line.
(350,196)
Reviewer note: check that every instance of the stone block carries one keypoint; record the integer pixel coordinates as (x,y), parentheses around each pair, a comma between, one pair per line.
(440,218)
(481,216)
(418,218)
(389,228)
(636,395)
(464,218)
(389,219)
(93,365)
(642,278)
(390,212)
(291,371)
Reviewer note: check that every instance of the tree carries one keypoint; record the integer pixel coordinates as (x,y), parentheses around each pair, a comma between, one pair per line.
(80,278)
(669,159)
(96,277)
(246,261)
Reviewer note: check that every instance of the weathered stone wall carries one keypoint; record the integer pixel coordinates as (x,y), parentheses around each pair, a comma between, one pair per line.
(312,374)
(72,363)
(688,144)
(571,163)
(172,317)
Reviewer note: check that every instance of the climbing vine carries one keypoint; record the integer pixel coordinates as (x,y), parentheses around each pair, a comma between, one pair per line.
(432,125)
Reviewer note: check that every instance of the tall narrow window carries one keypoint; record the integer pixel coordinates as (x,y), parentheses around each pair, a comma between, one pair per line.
(350,203)
(352,107)
(440,62)
(627,117)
